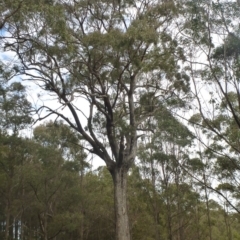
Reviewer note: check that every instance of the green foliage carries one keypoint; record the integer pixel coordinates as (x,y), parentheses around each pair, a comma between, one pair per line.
(69,202)
(226,187)
(133,62)
(36,187)
(15,109)
(196,118)
(196,164)
(230,49)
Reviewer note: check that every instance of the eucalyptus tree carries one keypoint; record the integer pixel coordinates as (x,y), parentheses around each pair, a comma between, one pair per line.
(108,64)
(52,189)
(162,153)
(15,108)
(15,116)
(212,32)
(11,157)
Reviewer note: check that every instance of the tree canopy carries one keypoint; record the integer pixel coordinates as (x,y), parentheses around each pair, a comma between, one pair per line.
(149,87)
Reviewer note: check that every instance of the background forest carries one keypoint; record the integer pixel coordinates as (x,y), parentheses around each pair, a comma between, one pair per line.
(148,88)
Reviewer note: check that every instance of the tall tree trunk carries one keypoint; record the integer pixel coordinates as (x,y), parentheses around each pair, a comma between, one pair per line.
(22,230)
(198,221)
(227,223)
(11,227)
(81,231)
(208,209)
(155,202)
(120,201)
(7,214)
(16,229)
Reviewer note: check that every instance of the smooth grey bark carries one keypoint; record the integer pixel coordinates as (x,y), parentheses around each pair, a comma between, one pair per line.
(119,176)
